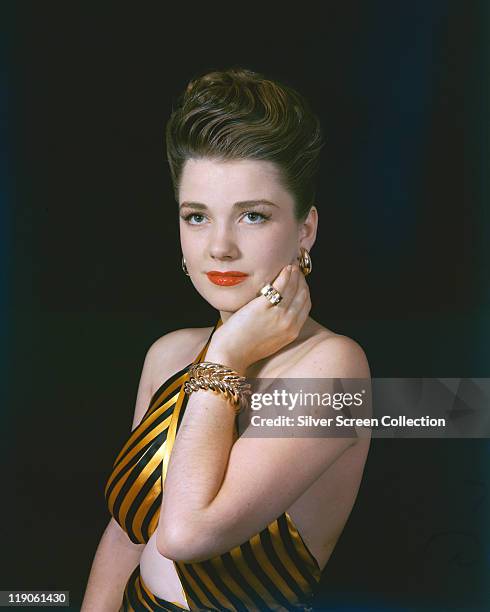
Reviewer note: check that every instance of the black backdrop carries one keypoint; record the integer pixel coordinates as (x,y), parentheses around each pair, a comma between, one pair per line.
(94,276)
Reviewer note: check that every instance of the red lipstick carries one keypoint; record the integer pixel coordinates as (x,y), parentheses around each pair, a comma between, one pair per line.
(226,279)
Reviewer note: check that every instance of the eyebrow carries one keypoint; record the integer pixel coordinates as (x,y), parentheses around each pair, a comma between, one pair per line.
(239,205)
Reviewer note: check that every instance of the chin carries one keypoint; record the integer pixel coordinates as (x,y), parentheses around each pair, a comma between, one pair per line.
(226,299)
(226,305)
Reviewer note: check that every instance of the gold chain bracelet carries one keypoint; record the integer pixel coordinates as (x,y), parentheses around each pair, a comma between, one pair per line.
(218,377)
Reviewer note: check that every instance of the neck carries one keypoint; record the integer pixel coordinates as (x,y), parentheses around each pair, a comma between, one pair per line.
(225,315)
(308,327)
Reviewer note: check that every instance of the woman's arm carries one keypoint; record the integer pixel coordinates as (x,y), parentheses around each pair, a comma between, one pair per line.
(117,556)
(114,561)
(219,494)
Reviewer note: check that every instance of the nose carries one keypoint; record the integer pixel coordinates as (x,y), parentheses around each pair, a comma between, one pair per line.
(222,245)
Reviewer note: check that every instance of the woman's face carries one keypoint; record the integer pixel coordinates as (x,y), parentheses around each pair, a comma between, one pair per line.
(235,216)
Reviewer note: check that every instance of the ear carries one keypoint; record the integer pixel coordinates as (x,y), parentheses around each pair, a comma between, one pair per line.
(308,229)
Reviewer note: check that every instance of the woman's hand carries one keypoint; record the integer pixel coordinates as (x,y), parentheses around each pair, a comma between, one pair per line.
(259,329)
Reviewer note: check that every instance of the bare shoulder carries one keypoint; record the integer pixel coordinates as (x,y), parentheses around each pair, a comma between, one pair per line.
(165,357)
(173,351)
(178,340)
(337,356)
(325,353)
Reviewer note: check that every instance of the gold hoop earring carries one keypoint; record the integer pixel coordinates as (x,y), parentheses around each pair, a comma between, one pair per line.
(184,267)
(305,262)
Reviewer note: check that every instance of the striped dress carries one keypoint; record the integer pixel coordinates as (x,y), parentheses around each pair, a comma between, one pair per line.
(274,570)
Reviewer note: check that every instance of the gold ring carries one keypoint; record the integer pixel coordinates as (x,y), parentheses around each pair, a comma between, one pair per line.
(271,294)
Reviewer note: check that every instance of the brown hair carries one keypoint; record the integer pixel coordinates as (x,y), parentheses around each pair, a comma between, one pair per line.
(239,114)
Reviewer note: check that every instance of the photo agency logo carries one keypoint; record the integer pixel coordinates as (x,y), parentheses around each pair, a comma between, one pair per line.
(301,398)
(378,407)
(307,407)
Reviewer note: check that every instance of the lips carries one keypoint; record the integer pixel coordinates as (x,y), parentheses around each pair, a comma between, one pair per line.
(226,279)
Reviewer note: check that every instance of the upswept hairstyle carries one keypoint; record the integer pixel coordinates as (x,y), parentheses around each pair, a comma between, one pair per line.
(239,114)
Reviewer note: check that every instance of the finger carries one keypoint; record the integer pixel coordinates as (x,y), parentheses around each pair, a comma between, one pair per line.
(282,279)
(301,296)
(291,288)
(280,282)
(304,312)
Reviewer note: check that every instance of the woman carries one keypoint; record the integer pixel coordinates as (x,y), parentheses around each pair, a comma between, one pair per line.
(244,523)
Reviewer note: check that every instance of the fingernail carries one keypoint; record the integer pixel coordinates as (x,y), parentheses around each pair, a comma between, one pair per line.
(288,268)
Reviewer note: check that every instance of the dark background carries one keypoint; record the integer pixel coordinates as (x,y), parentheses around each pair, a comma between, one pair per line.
(93,277)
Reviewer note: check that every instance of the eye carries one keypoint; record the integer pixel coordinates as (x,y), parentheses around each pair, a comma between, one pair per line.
(187,218)
(256,218)
(261,216)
